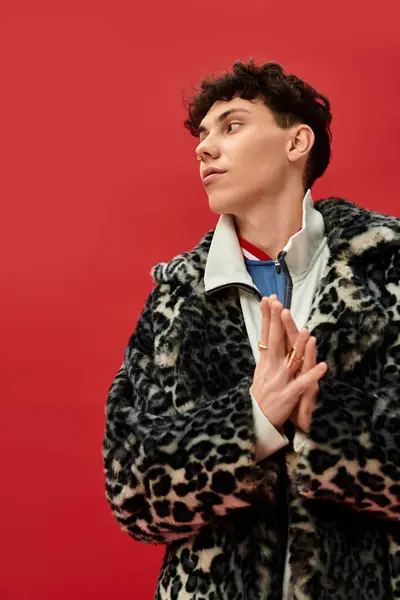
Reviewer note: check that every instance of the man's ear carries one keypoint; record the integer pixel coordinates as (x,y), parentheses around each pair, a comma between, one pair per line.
(300,143)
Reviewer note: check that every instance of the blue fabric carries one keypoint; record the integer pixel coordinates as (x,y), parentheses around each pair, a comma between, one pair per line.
(265,277)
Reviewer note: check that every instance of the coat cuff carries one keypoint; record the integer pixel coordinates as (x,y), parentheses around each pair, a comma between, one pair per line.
(268,438)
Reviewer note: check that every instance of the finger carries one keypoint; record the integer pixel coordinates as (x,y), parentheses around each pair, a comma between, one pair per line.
(306,404)
(272,298)
(276,335)
(291,330)
(310,355)
(308,397)
(306,408)
(265,323)
(296,362)
(305,381)
(307,401)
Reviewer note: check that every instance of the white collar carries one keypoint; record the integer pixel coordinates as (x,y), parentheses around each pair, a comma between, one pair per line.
(225,262)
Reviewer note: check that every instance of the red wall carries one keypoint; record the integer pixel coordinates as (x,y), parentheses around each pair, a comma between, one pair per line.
(98,182)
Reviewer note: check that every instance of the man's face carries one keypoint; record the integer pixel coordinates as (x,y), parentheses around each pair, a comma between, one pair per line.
(250,147)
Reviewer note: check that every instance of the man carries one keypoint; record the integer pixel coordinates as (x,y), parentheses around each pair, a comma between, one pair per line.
(266,458)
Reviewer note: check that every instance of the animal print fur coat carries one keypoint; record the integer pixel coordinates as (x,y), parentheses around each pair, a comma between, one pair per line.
(179,445)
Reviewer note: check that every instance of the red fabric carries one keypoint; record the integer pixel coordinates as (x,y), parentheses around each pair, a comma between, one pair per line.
(258,253)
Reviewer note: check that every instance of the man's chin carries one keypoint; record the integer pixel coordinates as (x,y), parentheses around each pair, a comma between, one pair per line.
(220,206)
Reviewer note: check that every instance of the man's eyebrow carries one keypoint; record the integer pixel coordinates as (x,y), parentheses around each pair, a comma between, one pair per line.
(221,117)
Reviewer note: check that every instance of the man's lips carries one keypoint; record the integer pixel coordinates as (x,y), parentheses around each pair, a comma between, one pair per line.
(212,177)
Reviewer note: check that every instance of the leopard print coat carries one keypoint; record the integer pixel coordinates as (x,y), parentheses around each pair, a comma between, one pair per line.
(179,444)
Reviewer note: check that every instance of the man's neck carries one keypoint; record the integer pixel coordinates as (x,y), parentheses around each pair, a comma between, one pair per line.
(270,225)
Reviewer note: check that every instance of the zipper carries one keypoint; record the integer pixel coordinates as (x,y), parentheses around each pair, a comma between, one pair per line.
(280,265)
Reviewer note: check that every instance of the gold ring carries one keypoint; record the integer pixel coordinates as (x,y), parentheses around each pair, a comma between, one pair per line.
(291,358)
(262,347)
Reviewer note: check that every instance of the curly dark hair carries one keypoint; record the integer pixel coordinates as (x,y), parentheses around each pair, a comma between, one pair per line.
(290,99)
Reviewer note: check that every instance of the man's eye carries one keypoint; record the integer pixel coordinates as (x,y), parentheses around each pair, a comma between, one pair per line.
(202,137)
(233,124)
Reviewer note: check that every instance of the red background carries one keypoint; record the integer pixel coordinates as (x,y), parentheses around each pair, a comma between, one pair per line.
(98,182)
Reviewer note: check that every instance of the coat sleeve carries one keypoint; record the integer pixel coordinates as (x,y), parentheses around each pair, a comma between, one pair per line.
(360,465)
(352,452)
(168,473)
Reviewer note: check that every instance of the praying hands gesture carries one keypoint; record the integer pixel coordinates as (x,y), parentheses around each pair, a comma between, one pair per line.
(286,388)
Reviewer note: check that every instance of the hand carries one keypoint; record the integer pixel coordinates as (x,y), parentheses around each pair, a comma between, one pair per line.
(301,415)
(275,387)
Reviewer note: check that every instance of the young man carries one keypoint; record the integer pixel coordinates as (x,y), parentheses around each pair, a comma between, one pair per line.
(266,458)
